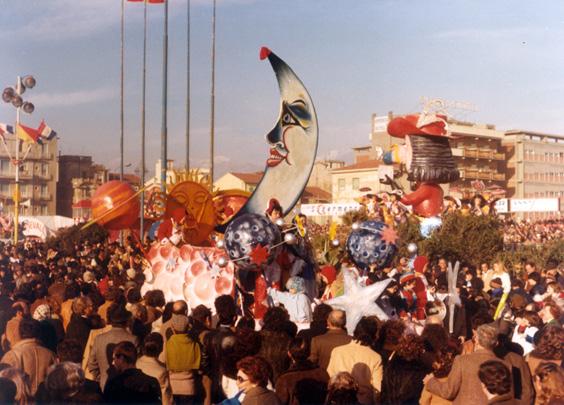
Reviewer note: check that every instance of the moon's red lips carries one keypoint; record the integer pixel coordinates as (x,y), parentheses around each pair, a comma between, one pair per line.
(275,158)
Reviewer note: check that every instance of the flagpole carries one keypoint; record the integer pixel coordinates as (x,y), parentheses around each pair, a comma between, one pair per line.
(143,89)
(187,85)
(164,160)
(121,89)
(17,190)
(212,118)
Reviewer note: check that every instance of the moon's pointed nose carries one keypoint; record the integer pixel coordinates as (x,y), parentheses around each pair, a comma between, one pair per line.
(264,53)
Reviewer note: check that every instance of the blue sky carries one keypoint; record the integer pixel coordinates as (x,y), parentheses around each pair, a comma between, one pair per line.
(355,57)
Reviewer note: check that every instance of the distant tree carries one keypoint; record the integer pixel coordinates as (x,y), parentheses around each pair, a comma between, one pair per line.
(467,238)
(66,239)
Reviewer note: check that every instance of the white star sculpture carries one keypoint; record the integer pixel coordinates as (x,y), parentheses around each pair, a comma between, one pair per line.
(358,300)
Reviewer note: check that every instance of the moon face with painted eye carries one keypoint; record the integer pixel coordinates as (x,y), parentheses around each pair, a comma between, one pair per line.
(285,136)
(292,145)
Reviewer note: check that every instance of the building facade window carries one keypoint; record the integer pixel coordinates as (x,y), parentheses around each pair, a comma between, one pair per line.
(355,183)
(341,184)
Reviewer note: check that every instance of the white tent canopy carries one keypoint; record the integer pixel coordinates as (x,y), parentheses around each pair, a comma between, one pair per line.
(44,226)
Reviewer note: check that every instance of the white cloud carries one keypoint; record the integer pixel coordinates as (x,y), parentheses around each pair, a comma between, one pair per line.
(63,19)
(74,98)
(55,20)
(479,34)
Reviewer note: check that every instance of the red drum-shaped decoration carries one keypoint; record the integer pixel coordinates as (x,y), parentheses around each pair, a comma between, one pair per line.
(115,205)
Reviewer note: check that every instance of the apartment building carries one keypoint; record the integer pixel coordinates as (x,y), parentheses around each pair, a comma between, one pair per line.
(38,176)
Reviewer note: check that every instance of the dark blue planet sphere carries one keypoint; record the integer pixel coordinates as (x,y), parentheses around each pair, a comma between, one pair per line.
(245,233)
(365,246)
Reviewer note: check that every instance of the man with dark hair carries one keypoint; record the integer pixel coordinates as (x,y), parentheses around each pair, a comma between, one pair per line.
(304,382)
(29,356)
(130,385)
(361,361)
(150,365)
(496,382)
(99,361)
(217,342)
(323,345)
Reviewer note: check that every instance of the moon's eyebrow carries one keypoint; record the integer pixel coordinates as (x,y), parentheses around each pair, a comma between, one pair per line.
(299,111)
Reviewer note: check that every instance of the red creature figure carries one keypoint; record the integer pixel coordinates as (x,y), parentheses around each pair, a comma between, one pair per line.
(428,159)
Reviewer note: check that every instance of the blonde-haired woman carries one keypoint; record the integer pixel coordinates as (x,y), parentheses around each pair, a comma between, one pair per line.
(499,271)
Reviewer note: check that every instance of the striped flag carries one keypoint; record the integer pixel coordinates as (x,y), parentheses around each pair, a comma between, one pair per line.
(28,134)
(45,132)
(6,129)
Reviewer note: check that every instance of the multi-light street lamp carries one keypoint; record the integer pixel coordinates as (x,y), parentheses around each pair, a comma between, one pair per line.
(14,96)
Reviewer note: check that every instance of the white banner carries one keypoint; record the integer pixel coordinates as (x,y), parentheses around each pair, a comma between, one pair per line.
(534,205)
(328,209)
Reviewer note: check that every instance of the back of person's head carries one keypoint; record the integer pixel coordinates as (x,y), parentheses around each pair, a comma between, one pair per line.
(80,304)
(299,350)
(29,328)
(179,307)
(72,291)
(133,295)
(495,376)
(550,377)
(70,350)
(155,298)
(8,391)
(410,347)
(549,346)
(127,351)
(343,389)
(153,345)
(366,331)
(21,381)
(435,337)
(226,309)
(112,293)
(257,369)
(486,336)
(444,360)
(64,380)
(201,314)
(321,313)
(275,319)
(118,315)
(481,318)
(337,319)
(246,322)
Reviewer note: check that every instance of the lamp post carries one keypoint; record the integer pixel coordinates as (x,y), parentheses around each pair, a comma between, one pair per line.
(14,96)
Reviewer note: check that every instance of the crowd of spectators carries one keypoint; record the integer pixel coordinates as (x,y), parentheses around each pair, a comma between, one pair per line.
(76,329)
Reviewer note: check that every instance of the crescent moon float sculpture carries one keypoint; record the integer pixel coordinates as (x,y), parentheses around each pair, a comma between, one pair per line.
(292,143)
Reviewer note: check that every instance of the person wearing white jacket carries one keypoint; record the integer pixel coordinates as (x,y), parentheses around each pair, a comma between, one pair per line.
(295,301)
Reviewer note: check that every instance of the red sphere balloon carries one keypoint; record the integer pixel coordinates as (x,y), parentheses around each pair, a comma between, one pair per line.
(115,205)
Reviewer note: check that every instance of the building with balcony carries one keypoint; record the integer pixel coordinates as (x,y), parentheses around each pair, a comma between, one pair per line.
(38,176)
(535,164)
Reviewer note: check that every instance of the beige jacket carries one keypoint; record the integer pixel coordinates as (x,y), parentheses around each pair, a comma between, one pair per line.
(28,355)
(154,368)
(364,364)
